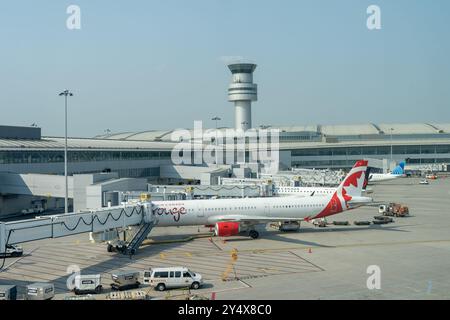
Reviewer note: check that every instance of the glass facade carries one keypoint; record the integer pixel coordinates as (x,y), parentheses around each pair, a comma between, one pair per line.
(375,150)
(17,157)
(414,154)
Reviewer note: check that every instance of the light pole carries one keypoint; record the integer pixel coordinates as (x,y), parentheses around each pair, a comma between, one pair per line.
(216,119)
(392,129)
(66,94)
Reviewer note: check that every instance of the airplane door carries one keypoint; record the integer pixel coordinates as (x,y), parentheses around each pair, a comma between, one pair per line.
(200,211)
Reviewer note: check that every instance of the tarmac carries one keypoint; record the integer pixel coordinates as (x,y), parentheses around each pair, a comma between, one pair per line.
(412,255)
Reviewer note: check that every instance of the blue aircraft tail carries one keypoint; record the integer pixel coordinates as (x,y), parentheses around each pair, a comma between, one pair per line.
(400,169)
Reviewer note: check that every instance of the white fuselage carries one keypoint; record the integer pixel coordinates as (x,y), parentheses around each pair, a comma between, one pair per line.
(204,212)
(304,191)
(376,177)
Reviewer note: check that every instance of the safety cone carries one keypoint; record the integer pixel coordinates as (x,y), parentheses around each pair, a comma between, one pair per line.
(310,250)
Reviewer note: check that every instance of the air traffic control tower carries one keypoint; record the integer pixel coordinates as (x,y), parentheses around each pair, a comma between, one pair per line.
(242,92)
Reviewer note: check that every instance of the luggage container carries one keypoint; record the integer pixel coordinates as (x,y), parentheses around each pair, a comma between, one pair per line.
(8,293)
(125,280)
(85,284)
(40,291)
(341,223)
(380,222)
(362,223)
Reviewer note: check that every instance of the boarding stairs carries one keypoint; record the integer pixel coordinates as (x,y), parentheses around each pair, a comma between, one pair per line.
(139,237)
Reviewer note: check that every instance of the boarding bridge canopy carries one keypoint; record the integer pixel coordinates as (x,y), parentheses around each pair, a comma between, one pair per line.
(64,225)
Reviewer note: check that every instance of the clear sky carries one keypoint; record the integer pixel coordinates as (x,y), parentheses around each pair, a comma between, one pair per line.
(161,64)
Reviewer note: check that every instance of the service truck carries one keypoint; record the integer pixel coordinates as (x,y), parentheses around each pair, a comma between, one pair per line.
(393,209)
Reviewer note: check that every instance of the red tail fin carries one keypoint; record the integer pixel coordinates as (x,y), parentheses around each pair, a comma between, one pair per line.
(350,187)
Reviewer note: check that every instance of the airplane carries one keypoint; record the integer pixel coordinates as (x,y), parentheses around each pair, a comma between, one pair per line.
(398,172)
(231,217)
(312,191)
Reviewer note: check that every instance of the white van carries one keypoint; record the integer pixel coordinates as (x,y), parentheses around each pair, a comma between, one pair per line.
(174,277)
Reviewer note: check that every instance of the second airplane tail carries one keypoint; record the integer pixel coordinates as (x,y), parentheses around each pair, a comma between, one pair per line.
(400,169)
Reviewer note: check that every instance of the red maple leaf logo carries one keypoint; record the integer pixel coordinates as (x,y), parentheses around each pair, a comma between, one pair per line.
(353,179)
(346,196)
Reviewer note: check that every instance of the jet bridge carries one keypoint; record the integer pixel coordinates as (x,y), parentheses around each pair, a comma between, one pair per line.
(96,221)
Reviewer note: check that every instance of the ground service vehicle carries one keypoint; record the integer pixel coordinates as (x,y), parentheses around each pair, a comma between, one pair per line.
(33,210)
(88,284)
(393,209)
(287,226)
(173,277)
(12,251)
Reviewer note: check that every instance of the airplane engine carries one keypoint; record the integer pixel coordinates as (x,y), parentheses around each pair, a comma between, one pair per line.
(227,229)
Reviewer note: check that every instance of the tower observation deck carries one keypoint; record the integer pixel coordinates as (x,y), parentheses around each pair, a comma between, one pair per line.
(242,91)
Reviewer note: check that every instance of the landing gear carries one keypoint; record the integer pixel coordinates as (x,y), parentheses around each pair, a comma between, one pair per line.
(253,234)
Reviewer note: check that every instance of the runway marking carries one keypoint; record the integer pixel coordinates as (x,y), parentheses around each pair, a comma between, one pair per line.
(315,265)
(215,244)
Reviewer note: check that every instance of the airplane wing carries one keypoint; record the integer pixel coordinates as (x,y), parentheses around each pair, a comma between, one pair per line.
(249,219)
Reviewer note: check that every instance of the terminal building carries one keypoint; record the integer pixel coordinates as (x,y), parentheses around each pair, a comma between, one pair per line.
(142,154)
(339,146)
